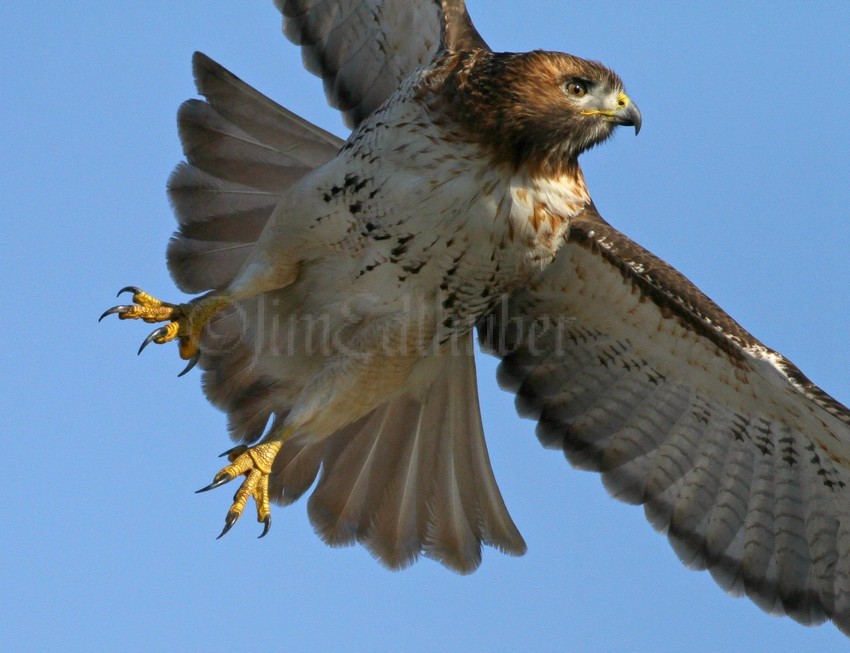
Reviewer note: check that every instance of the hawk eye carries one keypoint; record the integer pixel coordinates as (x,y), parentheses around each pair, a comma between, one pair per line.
(576,87)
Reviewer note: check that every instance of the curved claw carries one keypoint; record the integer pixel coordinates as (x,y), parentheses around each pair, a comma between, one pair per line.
(231,519)
(267,524)
(216,483)
(156,333)
(132,289)
(114,310)
(192,362)
(240,448)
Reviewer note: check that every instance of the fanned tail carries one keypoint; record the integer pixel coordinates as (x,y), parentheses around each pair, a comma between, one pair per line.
(412,477)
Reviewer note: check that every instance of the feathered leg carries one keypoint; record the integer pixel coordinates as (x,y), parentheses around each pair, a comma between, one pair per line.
(346,388)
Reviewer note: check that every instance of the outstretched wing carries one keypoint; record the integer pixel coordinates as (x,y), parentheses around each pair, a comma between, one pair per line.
(733,452)
(243,152)
(363,49)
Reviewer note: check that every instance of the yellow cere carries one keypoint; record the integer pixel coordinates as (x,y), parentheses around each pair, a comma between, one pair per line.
(623,101)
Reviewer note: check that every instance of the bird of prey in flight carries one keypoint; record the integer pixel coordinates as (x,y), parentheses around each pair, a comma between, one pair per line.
(344,282)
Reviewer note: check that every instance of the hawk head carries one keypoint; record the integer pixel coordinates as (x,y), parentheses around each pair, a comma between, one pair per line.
(537,109)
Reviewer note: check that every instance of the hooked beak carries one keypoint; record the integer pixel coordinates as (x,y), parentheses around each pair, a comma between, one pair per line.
(627,113)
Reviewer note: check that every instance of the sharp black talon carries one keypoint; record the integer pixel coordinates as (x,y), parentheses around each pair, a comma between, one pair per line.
(192,362)
(113,310)
(227,453)
(131,289)
(267,525)
(216,483)
(156,333)
(228,524)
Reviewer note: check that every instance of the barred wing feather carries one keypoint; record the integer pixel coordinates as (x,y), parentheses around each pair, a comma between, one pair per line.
(733,452)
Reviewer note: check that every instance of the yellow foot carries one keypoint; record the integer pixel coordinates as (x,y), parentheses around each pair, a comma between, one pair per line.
(255,463)
(185,321)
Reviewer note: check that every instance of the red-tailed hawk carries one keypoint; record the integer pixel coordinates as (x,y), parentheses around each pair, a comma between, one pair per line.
(346,281)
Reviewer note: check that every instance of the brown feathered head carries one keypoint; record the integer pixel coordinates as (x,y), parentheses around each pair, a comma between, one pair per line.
(537,109)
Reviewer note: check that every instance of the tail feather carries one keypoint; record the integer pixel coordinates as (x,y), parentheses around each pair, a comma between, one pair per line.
(295,468)
(359,465)
(455,530)
(398,527)
(413,477)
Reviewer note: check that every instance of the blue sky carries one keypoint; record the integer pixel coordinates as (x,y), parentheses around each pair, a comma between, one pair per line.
(740,178)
